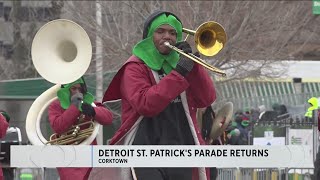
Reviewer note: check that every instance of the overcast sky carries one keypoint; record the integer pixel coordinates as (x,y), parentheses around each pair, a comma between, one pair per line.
(304,69)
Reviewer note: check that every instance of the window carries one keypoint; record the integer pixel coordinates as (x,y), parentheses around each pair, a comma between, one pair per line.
(1,9)
(7,51)
(43,13)
(6,13)
(23,14)
(1,48)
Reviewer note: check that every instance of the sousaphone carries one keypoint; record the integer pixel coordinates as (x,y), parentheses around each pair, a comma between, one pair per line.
(61,53)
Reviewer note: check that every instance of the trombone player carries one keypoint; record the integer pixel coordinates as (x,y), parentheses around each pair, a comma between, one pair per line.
(74,101)
(154,84)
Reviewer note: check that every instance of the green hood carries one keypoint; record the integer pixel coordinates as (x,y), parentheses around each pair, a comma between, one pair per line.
(64,95)
(149,54)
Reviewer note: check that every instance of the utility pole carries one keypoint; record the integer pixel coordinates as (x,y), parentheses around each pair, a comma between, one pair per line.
(315,133)
(99,64)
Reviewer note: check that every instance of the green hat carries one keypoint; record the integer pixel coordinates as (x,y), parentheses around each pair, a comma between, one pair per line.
(64,94)
(26,176)
(233,132)
(245,123)
(149,54)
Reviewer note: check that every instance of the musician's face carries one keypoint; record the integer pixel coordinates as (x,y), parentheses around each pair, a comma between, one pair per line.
(162,34)
(76,89)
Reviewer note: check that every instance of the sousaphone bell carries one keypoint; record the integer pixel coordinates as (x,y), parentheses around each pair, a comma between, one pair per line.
(61,53)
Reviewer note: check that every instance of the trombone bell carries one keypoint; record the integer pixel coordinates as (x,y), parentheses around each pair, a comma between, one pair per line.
(210,38)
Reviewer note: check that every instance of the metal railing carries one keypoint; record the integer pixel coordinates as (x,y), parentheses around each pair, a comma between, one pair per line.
(287,121)
(268,101)
(265,174)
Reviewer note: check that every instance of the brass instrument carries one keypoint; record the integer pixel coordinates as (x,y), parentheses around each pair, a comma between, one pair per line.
(210,38)
(61,53)
(74,135)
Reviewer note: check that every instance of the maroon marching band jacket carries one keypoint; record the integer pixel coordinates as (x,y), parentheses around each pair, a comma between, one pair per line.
(136,86)
(61,120)
(3,130)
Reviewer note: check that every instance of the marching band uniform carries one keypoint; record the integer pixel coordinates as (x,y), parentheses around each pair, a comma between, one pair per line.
(63,114)
(160,102)
(4,124)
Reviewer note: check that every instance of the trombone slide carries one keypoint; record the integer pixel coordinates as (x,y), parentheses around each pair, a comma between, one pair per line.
(196,59)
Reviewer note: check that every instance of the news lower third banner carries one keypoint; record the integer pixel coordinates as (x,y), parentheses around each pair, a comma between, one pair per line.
(161,156)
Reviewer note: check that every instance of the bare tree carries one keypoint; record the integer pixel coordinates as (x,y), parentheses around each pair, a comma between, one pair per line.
(260,33)
(26,17)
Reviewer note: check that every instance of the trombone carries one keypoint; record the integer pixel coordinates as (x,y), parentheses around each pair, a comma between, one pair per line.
(210,38)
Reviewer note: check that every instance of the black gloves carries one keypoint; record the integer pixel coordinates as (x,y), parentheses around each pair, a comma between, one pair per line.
(185,64)
(184,46)
(88,110)
(197,54)
(5,115)
(76,99)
